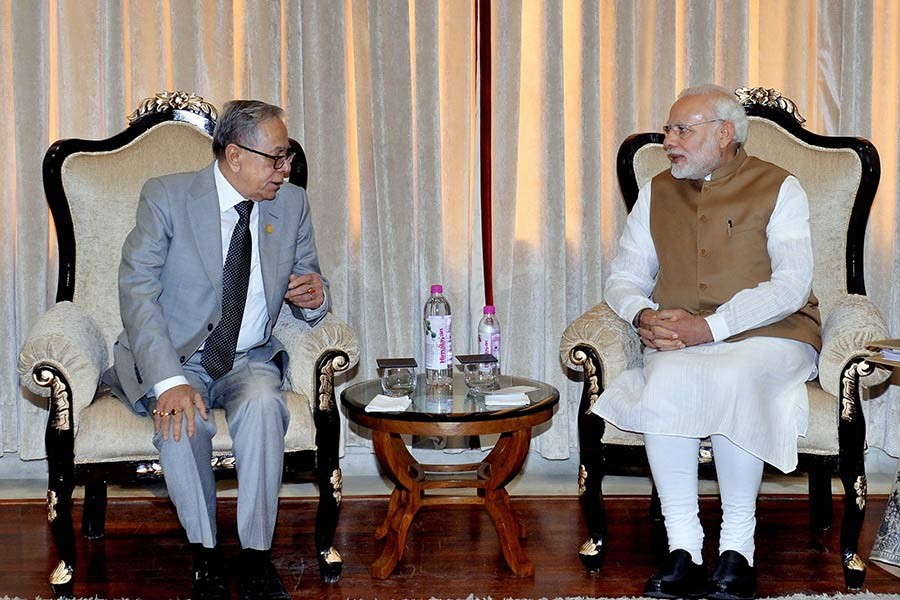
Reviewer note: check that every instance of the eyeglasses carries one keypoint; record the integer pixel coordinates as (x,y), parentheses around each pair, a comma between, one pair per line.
(683,130)
(278,162)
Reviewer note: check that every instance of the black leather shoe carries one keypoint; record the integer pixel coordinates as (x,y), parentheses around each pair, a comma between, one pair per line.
(679,577)
(258,579)
(733,579)
(210,576)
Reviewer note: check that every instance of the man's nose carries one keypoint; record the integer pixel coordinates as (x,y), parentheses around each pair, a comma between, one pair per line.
(670,139)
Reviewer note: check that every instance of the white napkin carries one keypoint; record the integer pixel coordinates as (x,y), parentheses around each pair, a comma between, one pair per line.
(510,396)
(382,403)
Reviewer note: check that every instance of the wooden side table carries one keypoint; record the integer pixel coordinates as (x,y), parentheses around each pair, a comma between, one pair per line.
(451,412)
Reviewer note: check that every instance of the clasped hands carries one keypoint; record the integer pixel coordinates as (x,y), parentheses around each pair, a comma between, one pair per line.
(305,291)
(672,329)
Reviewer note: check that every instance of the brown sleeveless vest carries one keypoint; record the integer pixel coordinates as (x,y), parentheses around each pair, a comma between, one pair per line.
(710,239)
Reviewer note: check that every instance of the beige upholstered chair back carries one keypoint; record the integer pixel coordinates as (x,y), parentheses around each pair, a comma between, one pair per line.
(103,189)
(831,178)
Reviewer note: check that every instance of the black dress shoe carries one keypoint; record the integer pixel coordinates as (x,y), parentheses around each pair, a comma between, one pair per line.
(258,579)
(733,579)
(679,577)
(210,576)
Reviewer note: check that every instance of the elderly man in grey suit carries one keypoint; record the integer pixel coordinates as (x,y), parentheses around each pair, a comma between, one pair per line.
(204,273)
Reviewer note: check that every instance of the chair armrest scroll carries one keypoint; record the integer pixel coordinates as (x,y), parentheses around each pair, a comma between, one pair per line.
(613,340)
(852,323)
(305,345)
(65,339)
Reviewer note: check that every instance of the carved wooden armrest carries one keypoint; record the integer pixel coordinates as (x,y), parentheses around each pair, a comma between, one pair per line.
(851,324)
(307,345)
(613,340)
(65,342)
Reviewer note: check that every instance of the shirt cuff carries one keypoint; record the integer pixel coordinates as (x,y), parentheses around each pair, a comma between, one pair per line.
(635,310)
(718,327)
(311,314)
(167,384)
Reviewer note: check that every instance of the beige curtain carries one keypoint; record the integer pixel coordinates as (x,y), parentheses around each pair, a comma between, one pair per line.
(383,96)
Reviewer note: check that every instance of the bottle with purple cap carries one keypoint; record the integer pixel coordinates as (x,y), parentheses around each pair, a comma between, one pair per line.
(438,339)
(489,333)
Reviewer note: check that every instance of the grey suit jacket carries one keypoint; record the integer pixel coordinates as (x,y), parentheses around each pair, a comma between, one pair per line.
(170,277)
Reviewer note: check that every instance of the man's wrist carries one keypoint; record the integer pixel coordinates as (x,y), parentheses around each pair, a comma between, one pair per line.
(636,322)
(167,384)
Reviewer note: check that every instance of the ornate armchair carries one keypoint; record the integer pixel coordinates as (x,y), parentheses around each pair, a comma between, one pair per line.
(840,175)
(92,438)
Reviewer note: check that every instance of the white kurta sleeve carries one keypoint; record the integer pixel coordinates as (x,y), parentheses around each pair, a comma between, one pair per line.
(633,271)
(790,249)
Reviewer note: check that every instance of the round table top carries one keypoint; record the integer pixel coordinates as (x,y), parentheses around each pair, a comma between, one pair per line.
(448,404)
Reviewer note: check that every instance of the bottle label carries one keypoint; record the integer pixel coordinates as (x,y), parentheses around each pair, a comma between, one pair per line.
(438,342)
(489,344)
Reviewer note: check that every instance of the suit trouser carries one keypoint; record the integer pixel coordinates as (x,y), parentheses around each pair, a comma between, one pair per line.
(257,416)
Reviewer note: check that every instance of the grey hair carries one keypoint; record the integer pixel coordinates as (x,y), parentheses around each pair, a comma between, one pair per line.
(238,121)
(725,107)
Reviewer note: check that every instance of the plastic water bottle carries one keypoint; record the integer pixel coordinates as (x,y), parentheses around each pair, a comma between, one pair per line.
(438,339)
(489,333)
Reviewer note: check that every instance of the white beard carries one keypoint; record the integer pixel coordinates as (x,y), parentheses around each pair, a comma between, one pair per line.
(705,161)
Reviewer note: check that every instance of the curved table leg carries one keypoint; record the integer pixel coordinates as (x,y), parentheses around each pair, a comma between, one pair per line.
(498,468)
(394,502)
(405,502)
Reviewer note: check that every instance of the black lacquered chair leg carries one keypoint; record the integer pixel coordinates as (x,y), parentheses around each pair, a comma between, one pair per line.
(93,520)
(852,470)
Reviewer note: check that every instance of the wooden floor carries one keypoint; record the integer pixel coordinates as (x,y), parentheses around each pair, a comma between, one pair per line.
(451,552)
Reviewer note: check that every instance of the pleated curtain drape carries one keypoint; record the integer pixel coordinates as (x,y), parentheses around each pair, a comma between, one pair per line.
(384,97)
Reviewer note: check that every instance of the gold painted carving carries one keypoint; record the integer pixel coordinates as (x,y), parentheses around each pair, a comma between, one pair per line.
(326,381)
(580,358)
(860,486)
(152,468)
(223,462)
(582,478)
(332,556)
(59,396)
(589,548)
(849,384)
(62,574)
(165,101)
(856,563)
(337,482)
(768,97)
(52,501)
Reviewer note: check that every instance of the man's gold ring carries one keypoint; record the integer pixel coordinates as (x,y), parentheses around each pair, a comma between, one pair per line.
(311,291)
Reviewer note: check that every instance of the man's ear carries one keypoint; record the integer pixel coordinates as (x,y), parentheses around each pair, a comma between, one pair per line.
(726,134)
(233,158)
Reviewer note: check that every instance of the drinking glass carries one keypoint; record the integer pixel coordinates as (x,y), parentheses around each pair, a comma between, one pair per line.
(398,381)
(482,377)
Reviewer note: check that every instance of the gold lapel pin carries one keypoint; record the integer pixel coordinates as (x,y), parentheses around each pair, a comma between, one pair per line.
(269,228)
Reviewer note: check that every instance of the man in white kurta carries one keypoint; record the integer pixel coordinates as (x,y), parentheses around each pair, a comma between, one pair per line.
(729,341)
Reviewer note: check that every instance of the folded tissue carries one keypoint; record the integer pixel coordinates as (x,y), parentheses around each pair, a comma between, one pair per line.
(382,403)
(510,396)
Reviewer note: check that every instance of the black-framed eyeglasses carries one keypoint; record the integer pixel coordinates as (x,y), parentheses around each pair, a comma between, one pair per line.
(683,130)
(278,161)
